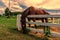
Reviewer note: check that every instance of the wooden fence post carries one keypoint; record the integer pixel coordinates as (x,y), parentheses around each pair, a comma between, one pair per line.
(46,30)
(19,22)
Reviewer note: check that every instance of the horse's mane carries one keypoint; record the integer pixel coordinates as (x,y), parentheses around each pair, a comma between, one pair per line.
(25,12)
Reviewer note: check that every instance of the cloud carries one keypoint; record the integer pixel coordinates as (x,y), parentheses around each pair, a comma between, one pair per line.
(23,6)
(35,3)
(48,4)
(2,4)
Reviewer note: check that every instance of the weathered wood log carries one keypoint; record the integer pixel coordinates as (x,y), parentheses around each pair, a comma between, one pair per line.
(18,22)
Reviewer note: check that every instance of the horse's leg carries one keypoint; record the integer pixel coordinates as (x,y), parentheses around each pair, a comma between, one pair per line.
(45,29)
(46,20)
(23,24)
(42,19)
(29,21)
(52,19)
(34,24)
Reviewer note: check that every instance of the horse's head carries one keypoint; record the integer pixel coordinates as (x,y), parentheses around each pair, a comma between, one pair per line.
(46,12)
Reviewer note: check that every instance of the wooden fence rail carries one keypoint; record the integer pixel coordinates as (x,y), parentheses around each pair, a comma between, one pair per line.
(44,16)
(45,24)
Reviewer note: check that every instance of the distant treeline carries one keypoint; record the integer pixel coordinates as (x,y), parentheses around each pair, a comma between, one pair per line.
(15,13)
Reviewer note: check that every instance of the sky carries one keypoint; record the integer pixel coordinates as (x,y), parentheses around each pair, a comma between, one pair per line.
(19,5)
(48,4)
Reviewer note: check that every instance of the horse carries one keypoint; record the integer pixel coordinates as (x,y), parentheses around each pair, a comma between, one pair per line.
(33,11)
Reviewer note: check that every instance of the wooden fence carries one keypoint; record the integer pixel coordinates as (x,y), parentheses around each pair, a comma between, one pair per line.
(45,24)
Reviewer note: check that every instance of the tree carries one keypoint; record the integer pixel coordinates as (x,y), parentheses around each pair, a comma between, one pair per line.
(7,12)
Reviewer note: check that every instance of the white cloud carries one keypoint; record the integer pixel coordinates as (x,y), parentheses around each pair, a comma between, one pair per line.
(48,4)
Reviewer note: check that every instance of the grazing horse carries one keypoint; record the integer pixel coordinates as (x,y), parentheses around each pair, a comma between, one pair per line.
(33,11)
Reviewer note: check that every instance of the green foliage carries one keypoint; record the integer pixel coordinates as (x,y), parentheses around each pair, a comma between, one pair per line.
(7,12)
(15,13)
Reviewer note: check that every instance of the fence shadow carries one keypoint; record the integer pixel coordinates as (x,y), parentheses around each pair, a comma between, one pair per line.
(15,31)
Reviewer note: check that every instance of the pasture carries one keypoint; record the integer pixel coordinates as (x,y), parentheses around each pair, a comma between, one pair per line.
(8,31)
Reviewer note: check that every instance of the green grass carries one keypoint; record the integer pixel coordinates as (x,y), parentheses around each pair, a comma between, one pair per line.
(8,30)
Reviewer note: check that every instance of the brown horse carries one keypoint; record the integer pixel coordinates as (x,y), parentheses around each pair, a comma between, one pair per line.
(33,11)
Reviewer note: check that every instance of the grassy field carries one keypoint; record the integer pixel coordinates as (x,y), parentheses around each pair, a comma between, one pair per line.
(8,30)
